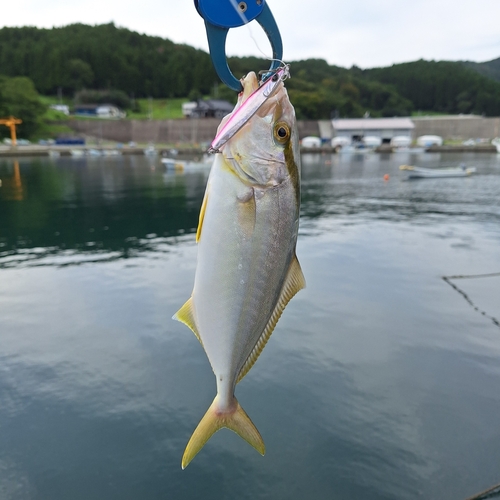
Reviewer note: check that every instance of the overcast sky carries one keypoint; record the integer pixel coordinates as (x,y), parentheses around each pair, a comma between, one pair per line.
(366,33)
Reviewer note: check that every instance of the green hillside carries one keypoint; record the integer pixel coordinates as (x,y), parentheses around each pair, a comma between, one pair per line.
(490,69)
(116,63)
(104,57)
(441,86)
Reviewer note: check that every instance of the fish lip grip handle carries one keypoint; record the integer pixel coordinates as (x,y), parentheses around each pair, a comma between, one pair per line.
(220,16)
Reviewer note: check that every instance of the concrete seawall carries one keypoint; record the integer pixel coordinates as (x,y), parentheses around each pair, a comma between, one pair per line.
(200,131)
(193,131)
(457,128)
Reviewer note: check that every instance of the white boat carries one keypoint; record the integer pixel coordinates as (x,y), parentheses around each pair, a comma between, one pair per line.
(150,150)
(111,152)
(432,173)
(496,143)
(171,164)
(426,141)
(401,142)
(183,166)
(77,153)
(340,142)
(371,141)
(311,142)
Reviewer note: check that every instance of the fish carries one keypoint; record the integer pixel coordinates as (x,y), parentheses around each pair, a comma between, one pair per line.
(247,269)
(246,109)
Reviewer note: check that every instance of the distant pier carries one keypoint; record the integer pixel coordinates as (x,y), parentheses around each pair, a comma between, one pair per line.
(37,150)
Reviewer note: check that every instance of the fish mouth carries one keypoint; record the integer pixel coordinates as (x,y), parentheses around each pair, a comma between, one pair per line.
(250,84)
(250,100)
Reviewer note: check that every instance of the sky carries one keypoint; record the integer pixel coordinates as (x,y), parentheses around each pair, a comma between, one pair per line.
(365,33)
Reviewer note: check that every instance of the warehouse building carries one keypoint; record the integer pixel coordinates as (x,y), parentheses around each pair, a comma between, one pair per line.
(385,129)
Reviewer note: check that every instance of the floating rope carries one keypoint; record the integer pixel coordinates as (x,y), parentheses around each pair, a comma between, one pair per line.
(467,276)
(466,297)
(486,493)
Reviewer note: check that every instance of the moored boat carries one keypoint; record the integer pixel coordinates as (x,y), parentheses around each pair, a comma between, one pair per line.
(431,173)
(182,166)
(150,150)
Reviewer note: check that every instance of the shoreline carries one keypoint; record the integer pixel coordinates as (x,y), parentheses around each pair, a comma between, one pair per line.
(37,150)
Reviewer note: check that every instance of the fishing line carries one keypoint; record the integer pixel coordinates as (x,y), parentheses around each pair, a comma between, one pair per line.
(246,23)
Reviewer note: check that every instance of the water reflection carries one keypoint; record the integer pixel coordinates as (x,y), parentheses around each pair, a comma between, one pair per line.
(12,184)
(352,188)
(113,207)
(119,207)
(379,382)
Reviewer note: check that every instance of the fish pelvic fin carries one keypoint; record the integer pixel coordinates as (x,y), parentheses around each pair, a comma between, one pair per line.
(235,419)
(294,282)
(186,315)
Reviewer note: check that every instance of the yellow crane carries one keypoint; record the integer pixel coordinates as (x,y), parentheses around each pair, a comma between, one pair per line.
(11,123)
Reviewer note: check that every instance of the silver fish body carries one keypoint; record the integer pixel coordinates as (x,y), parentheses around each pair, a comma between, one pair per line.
(247,270)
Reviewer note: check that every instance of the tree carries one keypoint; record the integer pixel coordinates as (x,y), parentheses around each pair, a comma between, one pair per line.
(78,76)
(19,98)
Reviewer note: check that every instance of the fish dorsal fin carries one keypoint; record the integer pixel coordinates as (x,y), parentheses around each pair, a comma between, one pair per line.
(202,214)
(294,282)
(186,315)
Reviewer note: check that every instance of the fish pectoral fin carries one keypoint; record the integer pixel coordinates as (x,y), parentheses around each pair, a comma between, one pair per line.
(294,282)
(202,214)
(236,419)
(247,213)
(186,315)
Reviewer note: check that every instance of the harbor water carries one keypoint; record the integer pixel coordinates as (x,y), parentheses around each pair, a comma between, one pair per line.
(381,380)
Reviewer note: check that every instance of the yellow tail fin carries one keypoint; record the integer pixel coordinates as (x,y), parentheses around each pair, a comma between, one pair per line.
(213,420)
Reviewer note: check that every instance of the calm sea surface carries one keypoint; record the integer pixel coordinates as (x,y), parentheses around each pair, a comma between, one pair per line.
(381,380)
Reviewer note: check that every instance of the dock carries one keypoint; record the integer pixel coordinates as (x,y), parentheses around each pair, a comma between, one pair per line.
(460,148)
(37,150)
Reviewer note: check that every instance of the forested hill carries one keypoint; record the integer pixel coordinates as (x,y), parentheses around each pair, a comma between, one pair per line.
(103,57)
(491,69)
(106,57)
(442,86)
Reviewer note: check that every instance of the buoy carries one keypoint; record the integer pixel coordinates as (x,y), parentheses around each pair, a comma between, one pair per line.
(386,177)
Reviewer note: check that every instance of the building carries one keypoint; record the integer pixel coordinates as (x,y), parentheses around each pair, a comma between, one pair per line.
(355,129)
(209,108)
(99,111)
(62,108)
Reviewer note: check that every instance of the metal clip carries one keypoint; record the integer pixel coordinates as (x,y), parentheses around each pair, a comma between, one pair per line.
(220,16)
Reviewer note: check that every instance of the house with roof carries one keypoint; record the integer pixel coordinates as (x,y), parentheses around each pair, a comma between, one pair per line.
(207,108)
(109,111)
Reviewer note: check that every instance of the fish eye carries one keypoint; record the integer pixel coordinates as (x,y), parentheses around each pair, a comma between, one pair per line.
(281,132)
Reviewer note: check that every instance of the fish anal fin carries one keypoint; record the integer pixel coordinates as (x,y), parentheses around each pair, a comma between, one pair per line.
(294,282)
(186,315)
(202,214)
(235,419)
